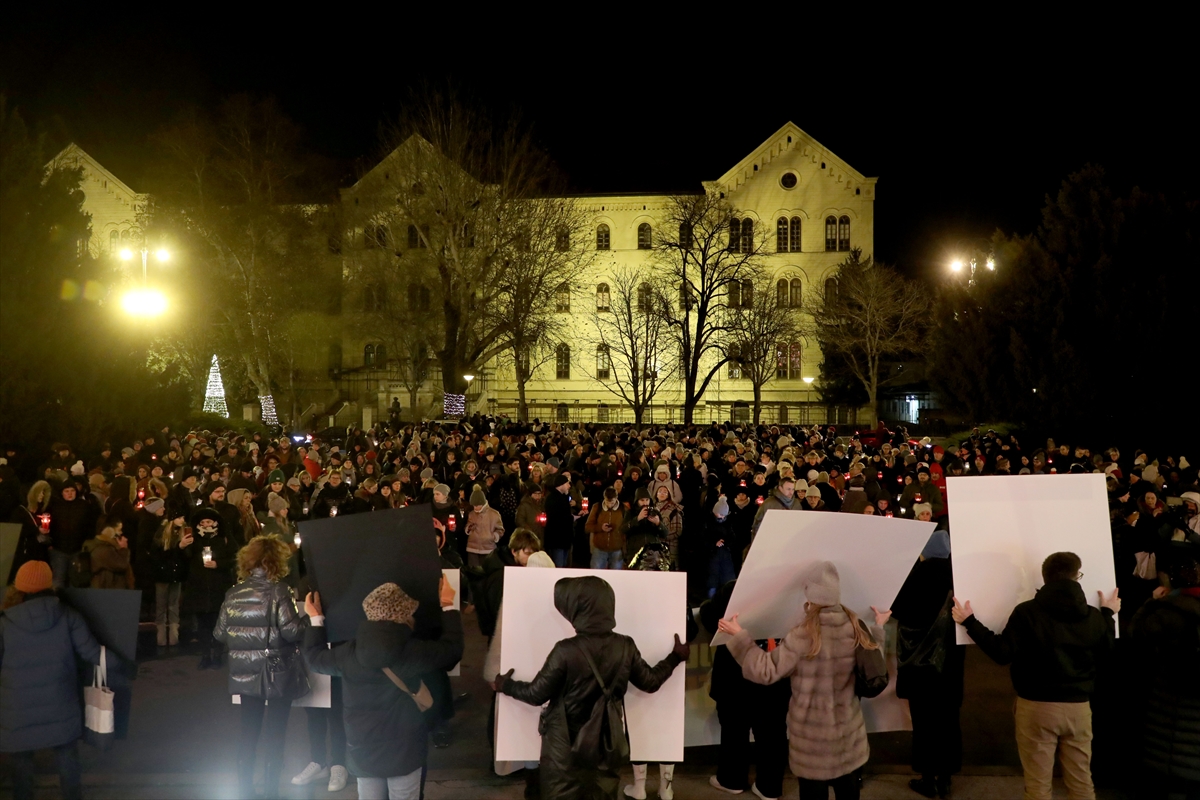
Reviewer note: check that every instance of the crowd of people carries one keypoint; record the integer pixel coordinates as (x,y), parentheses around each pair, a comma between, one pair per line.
(205,525)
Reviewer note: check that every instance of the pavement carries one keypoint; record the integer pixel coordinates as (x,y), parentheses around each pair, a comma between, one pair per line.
(183,738)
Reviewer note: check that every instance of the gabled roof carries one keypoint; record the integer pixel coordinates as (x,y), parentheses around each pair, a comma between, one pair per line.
(790,138)
(73,154)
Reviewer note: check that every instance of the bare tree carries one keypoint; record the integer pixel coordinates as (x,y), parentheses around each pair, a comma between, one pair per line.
(707,259)
(758,329)
(632,342)
(866,313)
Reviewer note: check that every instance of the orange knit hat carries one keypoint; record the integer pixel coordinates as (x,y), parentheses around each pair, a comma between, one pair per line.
(33,577)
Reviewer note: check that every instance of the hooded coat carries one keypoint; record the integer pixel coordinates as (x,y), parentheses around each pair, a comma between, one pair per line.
(567,682)
(386,734)
(110,564)
(40,640)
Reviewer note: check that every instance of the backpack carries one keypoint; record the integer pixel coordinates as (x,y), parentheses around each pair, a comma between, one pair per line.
(80,575)
(602,741)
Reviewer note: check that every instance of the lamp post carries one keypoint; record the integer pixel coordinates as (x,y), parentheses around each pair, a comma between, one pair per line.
(957,266)
(145,302)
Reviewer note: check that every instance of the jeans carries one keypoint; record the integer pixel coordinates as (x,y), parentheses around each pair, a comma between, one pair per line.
(274,734)
(60,568)
(1043,728)
(603,559)
(844,788)
(404,787)
(720,570)
(561,557)
(67,756)
(166,603)
(322,719)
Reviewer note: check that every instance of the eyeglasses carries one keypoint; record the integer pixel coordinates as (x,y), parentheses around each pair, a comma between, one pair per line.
(1079,577)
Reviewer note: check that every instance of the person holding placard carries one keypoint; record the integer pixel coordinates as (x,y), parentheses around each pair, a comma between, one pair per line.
(1054,643)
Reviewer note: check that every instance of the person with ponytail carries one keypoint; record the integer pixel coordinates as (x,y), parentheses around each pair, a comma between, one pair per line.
(827,744)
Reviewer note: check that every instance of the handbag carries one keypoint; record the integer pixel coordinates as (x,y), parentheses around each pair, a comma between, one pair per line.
(285,676)
(98,719)
(1146,567)
(870,670)
(602,741)
(422,697)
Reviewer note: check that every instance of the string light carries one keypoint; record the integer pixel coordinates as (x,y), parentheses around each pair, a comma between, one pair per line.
(454,405)
(269,417)
(214,395)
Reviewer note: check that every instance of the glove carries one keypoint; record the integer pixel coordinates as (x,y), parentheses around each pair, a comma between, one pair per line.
(680,649)
(501,680)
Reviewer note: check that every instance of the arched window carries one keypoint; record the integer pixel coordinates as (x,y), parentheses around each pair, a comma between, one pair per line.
(781,235)
(643,299)
(747,294)
(562,362)
(603,297)
(747,236)
(381,355)
(781,361)
(788,365)
(418,297)
(795,236)
(562,242)
(369,356)
(603,362)
(468,234)
(781,293)
(414,238)
(794,364)
(844,233)
(562,298)
(644,239)
(736,354)
(602,238)
(113,238)
(733,295)
(796,299)
(830,234)
(831,290)
(686,301)
(685,235)
(735,234)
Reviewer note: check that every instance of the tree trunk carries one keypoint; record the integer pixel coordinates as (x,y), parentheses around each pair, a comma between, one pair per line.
(412,402)
(757,401)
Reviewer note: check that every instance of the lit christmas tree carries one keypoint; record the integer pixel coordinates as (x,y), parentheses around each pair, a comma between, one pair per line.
(269,417)
(214,395)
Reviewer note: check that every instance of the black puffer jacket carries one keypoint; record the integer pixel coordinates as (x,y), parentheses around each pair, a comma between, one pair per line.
(1166,634)
(246,624)
(1053,642)
(566,680)
(385,733)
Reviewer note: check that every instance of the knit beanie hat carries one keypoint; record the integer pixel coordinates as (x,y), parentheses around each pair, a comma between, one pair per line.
(275,503)
(822,586)
(721,509)
(389,603)
(919,507)
(426,474)
(478,498)
(812,491)
(33,577)
(540,559)
(154,505)
(560,479)
(443,489)
(276,476)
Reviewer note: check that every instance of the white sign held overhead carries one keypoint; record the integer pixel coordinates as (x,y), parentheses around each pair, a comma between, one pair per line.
(1004,526)
(651,608)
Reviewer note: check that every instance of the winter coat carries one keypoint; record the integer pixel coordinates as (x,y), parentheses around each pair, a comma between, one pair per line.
(566,681)
(776,500)
(641,534)
(490,590)
(110,564)
(386,734)
(675,493)
(257,619)
(484,529)
(71,524)
(855,501)
(1166,635)
(1053,642)
(727,684)
(205,589)
(827,737)
(527,517)
(168,564)
(560,523)
(329,498)
(606,541)
(31,544)
(40,640)
(927,492)
(931,660)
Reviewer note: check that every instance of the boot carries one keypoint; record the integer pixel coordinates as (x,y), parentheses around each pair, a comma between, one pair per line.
(173,634)
(218,653)
(923,786)
(666,776)
(637,789)
(533,784)
(943,785)
(162,634)
(205,657)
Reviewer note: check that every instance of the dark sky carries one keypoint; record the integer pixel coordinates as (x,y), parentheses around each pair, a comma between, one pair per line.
(966,135)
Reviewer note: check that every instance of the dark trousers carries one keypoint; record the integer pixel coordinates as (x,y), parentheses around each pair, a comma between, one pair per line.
(274,735)
(937,735)
(720,572)
(329,719)
(844,788)
(204,631)
(67,756)
(769,723)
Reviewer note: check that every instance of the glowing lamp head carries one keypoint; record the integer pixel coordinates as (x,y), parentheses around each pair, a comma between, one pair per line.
(956,265)
(144,302)
(162,255)
(991,263)
(809,380)
(126,254)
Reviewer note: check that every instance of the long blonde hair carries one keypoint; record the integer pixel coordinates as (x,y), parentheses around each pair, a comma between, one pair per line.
(812,626)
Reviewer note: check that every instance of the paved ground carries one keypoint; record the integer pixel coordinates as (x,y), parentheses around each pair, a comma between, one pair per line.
(182,743)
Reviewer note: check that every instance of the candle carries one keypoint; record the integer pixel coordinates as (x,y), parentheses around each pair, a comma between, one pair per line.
(585,504)
(759,500)
(207,556)
(333,511)
(452,522)
(541,518)
(44,523)
(296,538)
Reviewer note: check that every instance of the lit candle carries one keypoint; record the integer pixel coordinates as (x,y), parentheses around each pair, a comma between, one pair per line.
(333,511)
(296,538)
(44,522)
(585,504)
(452,522)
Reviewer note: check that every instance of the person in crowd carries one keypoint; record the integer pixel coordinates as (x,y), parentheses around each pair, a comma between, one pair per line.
(604,525)
(71,524)
(671,515)
(33,543)
(521,547)
(531,512)
(108,558)
(331,496)
(247,524)
(1055,643)
(827,743)
(812,499)
(931,665)
(386,735)
(485,528)
(258,621)
(724,542)
(784,497)
(560,521)
(41,641)
(571,680)
(169,568)
(212,559)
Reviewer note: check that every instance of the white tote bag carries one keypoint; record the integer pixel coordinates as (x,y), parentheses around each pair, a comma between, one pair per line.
(98,705)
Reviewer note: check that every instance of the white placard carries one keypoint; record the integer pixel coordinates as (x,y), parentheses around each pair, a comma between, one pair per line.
(651,608)
(873,556)
(453,576)
(320,696)
(1004,526)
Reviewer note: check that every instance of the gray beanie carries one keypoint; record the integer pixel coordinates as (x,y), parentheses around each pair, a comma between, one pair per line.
(721,509)
(822,587)
(444,489)
(275,503)
(426,474)
(478,498)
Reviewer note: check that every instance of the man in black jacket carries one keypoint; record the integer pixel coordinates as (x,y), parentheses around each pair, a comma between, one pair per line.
(1054,643)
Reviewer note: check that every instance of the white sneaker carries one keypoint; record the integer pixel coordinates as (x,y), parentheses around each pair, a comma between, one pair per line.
(716,784)
(313,772)
(754,788)
(337,778)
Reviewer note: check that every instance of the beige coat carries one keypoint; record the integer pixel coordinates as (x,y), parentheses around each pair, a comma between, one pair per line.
(827,737)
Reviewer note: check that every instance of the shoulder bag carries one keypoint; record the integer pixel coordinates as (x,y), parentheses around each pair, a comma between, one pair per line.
(602,741)
(98,717)
(870,669)
(285,677)
(422,697)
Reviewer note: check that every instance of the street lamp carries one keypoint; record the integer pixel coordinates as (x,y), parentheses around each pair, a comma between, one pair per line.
(957,266)
(145,302)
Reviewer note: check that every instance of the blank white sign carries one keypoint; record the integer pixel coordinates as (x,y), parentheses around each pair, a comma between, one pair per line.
(453,577)
(873,556)
(651,608)
(1004,526)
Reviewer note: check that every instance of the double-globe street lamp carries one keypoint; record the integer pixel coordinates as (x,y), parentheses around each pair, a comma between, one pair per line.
(957,266)
(144,302)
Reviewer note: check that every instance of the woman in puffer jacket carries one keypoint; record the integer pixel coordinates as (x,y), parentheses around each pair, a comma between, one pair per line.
(259,620)
(827,737)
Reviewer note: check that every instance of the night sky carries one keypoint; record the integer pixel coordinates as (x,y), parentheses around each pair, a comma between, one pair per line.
(964,138)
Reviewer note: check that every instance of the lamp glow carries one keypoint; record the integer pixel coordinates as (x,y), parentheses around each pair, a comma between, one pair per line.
(126,254)
(162,255)
(991,263)
(144,302)
(956,265)
(809,380)
(469,378)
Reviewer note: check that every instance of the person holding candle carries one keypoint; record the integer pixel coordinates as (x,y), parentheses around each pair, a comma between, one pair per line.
(531,514)
(211,558)
(169,568)
(33,544)
(604,526)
